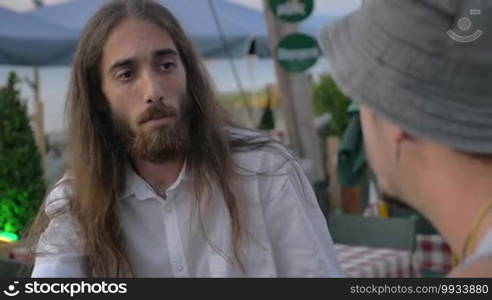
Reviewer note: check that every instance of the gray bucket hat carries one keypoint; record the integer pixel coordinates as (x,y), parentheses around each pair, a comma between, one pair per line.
(425,65)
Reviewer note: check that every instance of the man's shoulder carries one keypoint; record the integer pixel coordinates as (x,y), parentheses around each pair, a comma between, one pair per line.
(59,196)
(258,153)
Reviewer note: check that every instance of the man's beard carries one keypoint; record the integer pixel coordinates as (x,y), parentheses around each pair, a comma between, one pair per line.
(159,144)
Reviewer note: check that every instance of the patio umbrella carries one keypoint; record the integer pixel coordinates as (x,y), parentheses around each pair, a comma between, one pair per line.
(26,40)
(239,26)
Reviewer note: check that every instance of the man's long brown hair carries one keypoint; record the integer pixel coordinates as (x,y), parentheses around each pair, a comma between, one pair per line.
(97,159)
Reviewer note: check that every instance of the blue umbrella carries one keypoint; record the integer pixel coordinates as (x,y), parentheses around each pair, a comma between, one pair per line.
(238,25)
(25,40)
(196,17)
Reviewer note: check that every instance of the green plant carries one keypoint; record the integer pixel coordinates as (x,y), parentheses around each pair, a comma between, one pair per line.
(10,210)
(22,184)
(329,99)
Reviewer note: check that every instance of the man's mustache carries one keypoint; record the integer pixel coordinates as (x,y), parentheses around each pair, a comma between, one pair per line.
(157,112)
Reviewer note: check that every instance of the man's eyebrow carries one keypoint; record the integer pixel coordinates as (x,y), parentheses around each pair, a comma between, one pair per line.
(131,60)
(121,63)
(165,52)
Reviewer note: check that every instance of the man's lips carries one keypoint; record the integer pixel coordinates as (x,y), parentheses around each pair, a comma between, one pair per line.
(158,116)
(159,120)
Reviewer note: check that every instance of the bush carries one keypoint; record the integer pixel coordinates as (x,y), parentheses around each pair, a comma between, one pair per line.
(22,185)
(328,98)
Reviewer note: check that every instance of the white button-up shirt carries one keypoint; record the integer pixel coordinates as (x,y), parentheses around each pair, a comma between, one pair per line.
(286,234)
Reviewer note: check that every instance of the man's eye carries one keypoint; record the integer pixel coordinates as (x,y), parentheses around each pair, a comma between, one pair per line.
(126,75)
(167,66)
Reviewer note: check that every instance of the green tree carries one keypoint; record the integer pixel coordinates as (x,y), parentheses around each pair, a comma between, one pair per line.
(22,185)
(328,98)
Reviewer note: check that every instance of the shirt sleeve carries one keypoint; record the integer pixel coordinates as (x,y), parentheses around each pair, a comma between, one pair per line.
(58,253)
(301,242)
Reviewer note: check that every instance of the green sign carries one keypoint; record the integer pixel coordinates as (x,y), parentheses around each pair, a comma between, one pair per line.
(292,10)
(297,52)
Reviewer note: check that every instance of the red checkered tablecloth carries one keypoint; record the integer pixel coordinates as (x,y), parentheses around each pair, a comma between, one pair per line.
(359,261)
(432,253)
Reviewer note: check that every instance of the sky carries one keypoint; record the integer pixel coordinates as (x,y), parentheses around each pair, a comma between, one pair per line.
(321,6)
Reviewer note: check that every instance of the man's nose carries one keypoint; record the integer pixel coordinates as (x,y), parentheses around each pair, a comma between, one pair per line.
(152,88)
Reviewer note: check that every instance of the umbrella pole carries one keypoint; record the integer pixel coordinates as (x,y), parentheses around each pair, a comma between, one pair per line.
(38,114)
(295,92)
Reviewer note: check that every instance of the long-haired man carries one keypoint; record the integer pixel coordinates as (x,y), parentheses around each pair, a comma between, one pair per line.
(160,184)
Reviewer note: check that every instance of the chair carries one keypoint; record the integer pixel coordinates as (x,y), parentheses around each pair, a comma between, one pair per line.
(14,269)
(426,273)
(423,226)
(396,233)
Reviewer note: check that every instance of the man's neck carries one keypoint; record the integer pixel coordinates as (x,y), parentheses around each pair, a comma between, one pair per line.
(159,175)
(453,197)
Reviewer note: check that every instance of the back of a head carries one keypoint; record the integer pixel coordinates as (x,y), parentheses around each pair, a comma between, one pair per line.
(425,66)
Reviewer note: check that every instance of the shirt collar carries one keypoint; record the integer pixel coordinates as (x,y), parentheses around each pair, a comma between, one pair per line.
(136,186)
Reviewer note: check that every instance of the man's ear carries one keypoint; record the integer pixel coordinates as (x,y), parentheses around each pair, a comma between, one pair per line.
(399,134)
(405,135)
(404,140)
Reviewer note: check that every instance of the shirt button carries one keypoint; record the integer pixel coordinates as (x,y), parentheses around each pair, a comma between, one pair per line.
(180,268)
(169,209)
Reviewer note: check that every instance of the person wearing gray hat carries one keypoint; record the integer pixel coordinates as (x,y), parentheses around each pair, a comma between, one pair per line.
(422,72)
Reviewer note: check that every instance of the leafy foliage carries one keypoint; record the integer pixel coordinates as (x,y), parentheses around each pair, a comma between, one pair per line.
(328,98)
(22,184)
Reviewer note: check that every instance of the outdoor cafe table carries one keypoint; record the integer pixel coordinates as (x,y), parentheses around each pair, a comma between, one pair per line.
(361,261)
(432,253)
